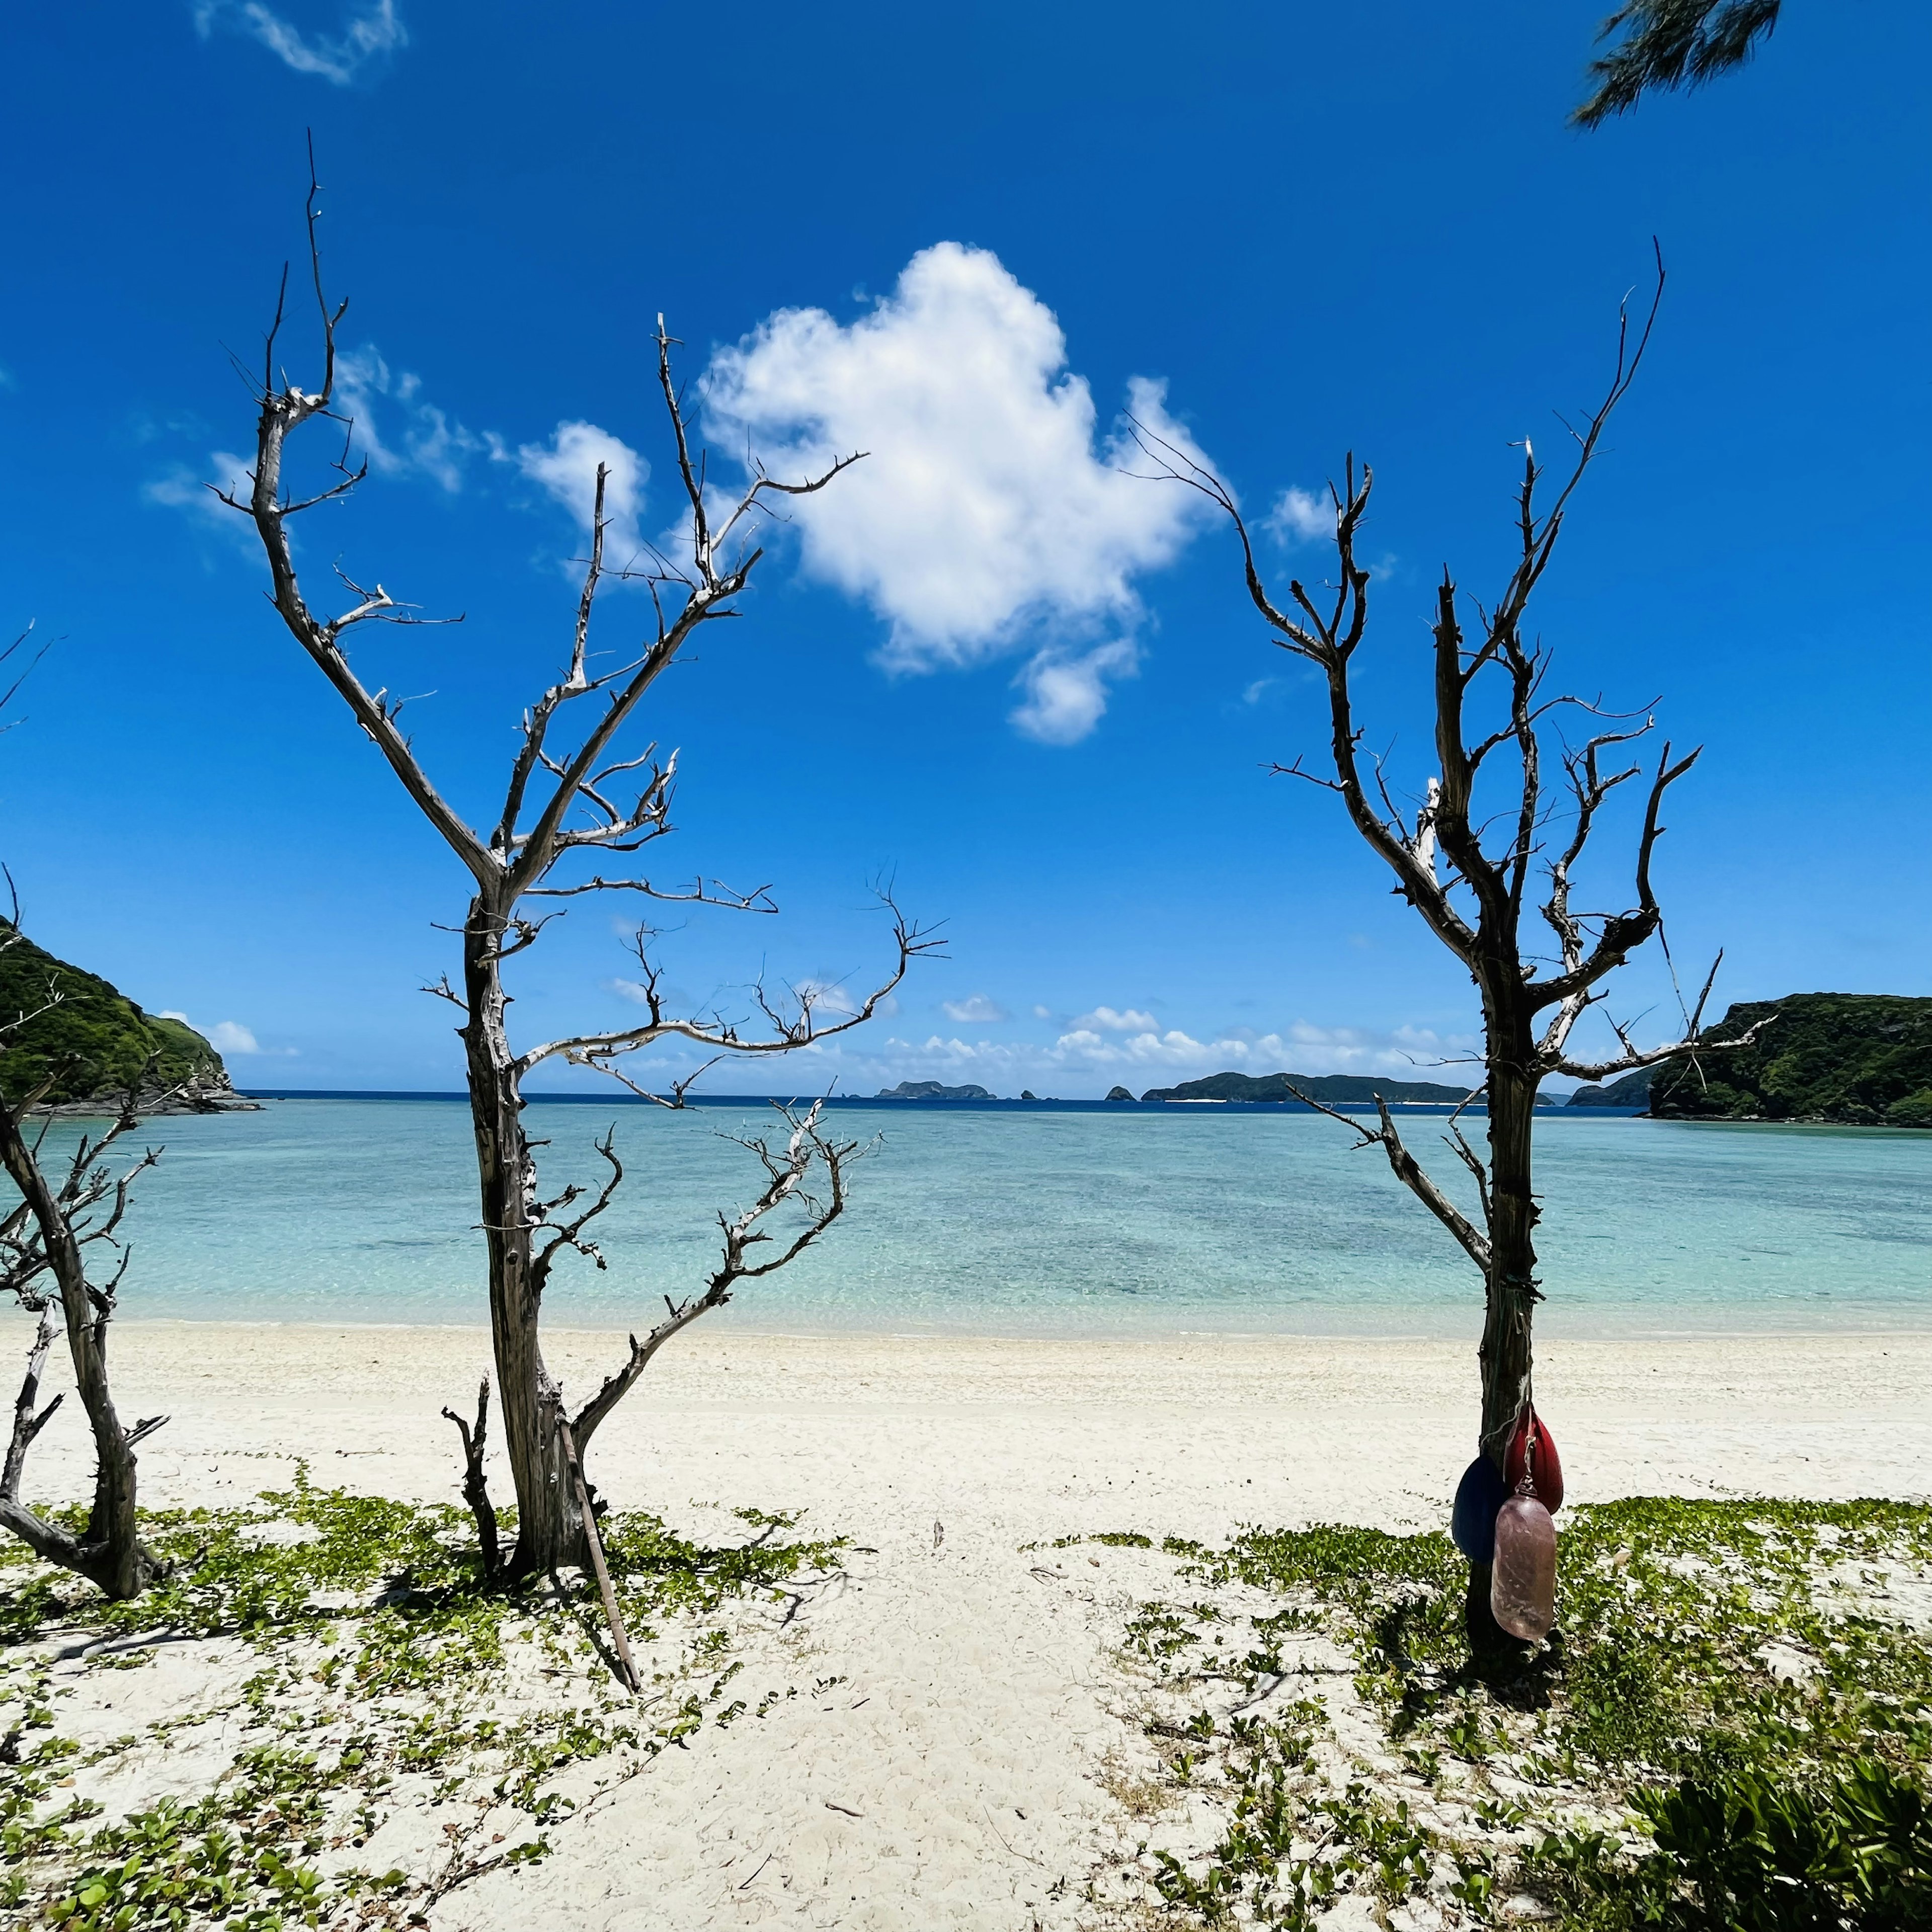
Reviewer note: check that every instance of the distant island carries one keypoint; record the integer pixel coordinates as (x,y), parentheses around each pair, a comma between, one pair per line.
(1335,1090)
(1632,1090)
(1852,1059)
(93,1040)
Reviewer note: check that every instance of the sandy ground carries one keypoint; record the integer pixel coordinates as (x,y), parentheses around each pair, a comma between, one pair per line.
(966,1771)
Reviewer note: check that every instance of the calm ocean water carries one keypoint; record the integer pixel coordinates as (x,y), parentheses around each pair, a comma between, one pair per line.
(1005,1222)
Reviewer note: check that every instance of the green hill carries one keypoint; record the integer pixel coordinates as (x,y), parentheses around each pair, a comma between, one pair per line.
(1863,1059)
(94,1039)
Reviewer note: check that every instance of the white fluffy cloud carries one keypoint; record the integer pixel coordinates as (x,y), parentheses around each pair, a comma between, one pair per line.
(1299,517)
(977,1009)
(988,510)
(1067,692)
(566,466)
(376,30)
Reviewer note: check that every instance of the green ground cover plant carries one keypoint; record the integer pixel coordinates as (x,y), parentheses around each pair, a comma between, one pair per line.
(1731,1726)
(372,1680)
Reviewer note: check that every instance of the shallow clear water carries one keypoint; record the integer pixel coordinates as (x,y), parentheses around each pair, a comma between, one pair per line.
(1121,1221)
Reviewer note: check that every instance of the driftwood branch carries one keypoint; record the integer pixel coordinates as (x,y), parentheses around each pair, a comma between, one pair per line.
(476,1483)
(593,1537)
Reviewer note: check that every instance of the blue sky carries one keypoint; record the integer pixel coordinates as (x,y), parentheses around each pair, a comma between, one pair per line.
(1025,686)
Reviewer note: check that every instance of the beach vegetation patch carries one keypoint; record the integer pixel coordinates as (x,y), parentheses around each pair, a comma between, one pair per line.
(372,1724)
(1730,1726)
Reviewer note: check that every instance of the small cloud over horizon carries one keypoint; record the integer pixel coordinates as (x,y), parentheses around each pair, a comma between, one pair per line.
(1104,1048)
(977,1009)
(231,1036)
(1105,1018)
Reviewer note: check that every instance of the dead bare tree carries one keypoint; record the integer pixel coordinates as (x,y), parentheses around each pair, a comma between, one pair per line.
(44,1244)
(559,806)
(1472,894)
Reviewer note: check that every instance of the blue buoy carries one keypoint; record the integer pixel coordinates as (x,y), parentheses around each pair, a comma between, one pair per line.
(1479,1496)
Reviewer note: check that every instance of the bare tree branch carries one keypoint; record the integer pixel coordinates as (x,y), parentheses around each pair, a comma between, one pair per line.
(787,1172)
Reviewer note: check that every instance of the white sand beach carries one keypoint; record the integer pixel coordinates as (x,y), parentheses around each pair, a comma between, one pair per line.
(965,1763)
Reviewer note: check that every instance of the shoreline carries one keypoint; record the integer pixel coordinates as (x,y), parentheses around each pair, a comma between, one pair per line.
(1201,1430)
(1558,1335)
(124,1324)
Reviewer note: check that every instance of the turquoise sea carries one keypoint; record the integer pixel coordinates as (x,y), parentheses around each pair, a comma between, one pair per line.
(1044,1220)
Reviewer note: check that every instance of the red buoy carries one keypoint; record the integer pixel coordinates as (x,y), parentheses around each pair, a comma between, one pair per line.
(1545,1465)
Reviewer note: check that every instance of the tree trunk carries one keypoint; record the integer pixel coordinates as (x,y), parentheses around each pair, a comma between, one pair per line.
(549,1527)
(112,1554)
(1511,1290)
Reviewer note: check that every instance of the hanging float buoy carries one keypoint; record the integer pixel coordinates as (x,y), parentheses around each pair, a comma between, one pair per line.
(1472,1524)
(1544,1466)
(1523,1584)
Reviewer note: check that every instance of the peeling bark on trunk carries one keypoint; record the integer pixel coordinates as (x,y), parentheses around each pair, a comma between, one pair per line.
(550,1527)
(1506,1355)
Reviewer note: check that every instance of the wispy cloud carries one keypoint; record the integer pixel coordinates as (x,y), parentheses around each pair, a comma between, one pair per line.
(398,432)
(186,490)
(827,996)
(430,441)
(366,36)
(977,1009)
(989,507)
